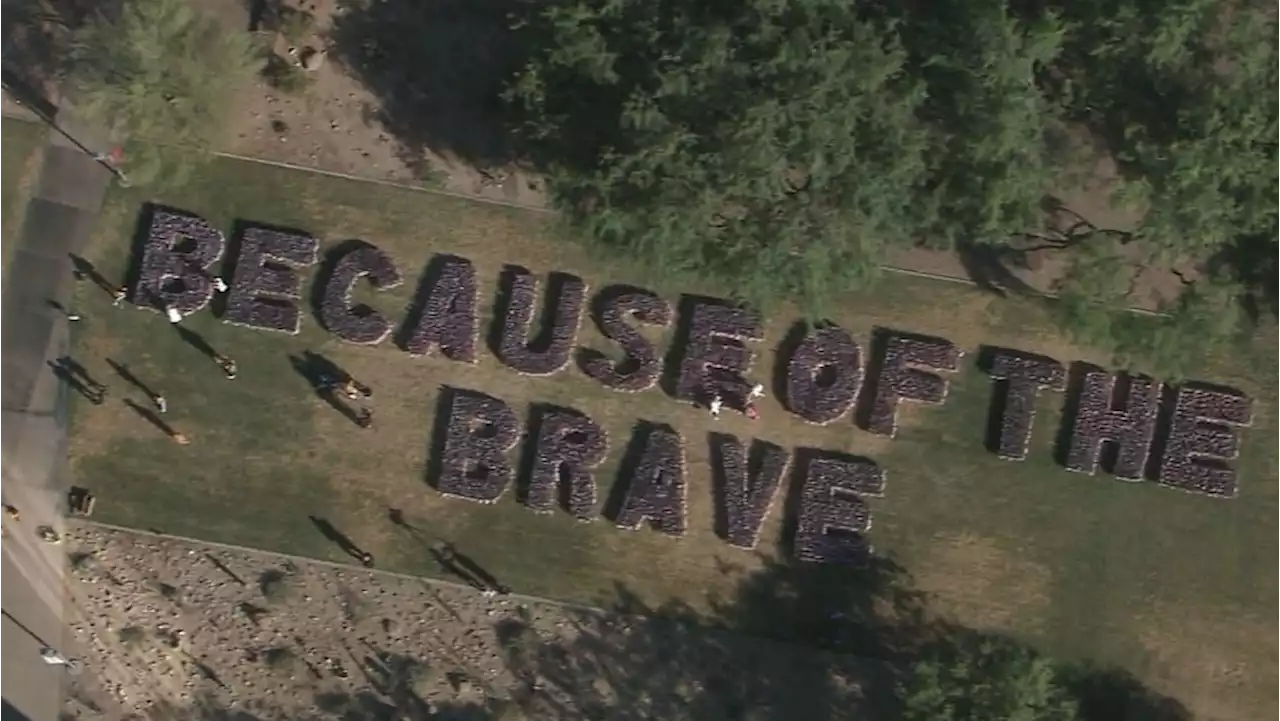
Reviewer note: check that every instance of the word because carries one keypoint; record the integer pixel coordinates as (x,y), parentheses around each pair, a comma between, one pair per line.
(825,371)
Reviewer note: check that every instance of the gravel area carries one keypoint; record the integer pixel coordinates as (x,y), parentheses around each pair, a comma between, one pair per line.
(175,629)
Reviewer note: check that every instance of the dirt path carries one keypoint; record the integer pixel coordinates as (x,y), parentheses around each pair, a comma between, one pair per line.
(182,630)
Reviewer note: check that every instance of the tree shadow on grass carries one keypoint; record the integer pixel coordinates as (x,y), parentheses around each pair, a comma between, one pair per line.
(641,661)
(756,659)
(454,108)
(38,37)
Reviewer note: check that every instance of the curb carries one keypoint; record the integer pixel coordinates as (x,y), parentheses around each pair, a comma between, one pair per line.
(336,565)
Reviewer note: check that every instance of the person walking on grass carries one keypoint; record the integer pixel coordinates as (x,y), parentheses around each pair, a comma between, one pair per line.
(366,559)
(172,314)
(118,296)
(351,389)
(162,405)
(757,391)
(227,365)
(715,405)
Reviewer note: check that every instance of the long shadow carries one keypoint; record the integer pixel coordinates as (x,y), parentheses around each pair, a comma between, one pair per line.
(27,94)
(197,341)
(85,269)
(343,542)
(473,568)
(440,434)
(127,375)
(323,375)
(443,556)
(224,569)
(150,416)
(679,347)
(75,367)
(318,369)
(417,305)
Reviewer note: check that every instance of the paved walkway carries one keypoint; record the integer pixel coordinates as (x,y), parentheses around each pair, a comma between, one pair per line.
(58,222)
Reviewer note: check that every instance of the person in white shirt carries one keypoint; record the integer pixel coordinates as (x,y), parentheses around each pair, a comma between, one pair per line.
(715,405)
(174,315)
(219,284)
(757,391)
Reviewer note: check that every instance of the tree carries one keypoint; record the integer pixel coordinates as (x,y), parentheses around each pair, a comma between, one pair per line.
(1171,90)
(774,145)
(782,147)
(985,678)
(159,75)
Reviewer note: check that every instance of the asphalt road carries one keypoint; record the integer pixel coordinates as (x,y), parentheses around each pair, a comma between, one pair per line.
(58,221)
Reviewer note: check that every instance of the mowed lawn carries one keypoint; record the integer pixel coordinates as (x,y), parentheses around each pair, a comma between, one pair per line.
(21,142)
(1180,589)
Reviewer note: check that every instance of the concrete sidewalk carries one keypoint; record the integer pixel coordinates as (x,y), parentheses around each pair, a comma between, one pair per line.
(33,432)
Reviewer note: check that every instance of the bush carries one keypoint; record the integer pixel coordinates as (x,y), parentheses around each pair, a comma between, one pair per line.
(161,75)
(285,76)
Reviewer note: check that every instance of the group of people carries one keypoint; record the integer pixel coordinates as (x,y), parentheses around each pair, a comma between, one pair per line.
(44,533)
(352,390)
(96,391)
(748,406)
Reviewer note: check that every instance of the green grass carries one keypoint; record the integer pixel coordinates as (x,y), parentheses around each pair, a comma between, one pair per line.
(19,167)
(1179,588)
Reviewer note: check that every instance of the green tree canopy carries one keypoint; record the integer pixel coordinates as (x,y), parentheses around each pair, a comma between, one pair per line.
(781,147)
(1174,93)
(158,75)
(985,678)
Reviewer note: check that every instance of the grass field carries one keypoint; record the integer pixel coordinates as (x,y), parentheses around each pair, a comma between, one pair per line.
(1179,589)
(19,168)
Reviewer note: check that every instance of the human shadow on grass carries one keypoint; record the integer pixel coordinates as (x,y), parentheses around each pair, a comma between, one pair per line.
(82,268)
(324,376)
(127,375)
(62,372)
(150,416)
(197,341)
(340,539)
(465,568)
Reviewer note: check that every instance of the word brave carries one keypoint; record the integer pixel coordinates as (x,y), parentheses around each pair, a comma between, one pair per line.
(1112,421)
(473,464)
